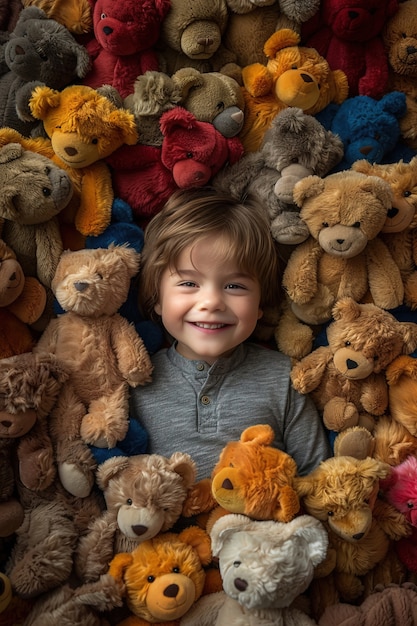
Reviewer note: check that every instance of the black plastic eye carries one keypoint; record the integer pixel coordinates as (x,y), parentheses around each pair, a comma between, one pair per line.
(150,579)
(410,505)
(46,192)
(189,155)
(356,225)
(325,224)
(237,563)
(347,343)
(129,501)
(94,141)
(220,106)
(407,194)
(330,513)
(176,570)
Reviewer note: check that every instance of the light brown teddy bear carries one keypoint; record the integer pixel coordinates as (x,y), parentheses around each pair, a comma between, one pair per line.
(347,377)
(343,493)
(343,256)
(402,391)
(144,495)
(103,353)
(293,76)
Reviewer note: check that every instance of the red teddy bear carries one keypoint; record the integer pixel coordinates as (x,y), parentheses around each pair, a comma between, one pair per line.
(348,34)
(124,36)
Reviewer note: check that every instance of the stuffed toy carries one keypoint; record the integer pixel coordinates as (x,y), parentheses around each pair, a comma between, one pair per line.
(144,496)
(192,152)
(76,15)
(264,567)
(343,255)
(349,35)
(342,492)
(399,232)
(295,146)
(402,383)
(22,303)
(29,387)
(347,378)
(368,128)
(399,489)
(83,128)
(103,353)
(252,22)
(39,51)
(212,97)
(293,76)
(400,42)
(192,36)
(122,48)
(163,577)
(390,604)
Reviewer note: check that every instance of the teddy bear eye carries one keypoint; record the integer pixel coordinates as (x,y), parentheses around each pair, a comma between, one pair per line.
(347,343)
(151,579)
(220,106)
(94,141)
(176,570)
(236,563)
(46,192)
(330,513)
(356,225)
(407,194)
(189,155)
(410,505)
(325,224)
(103,16)
(129,501)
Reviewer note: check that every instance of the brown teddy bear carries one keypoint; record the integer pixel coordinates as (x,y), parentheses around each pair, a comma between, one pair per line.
(144,495)
(347,378)
(343,256)
(29,386)
(342,492)
(402,387)
(103,353)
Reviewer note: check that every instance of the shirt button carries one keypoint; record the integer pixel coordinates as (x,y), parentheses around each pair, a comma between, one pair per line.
(205,400)
(200,367)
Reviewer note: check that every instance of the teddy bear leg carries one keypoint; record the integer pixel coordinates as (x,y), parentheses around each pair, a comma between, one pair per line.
(106,422)
(292,337)
(356,441)
(387,572)
(339,414)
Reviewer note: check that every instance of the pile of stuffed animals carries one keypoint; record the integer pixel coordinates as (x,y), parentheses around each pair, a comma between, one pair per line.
(107,108)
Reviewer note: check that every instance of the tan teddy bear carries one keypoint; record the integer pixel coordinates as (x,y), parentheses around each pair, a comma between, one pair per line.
(103,353)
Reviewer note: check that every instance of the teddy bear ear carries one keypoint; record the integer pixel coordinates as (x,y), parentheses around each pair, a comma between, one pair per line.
(109,469)
(119,564)
(346,308)
(226,526)
(10,152)
(186,79)
(130,257)
(42,100)
(184,466)
(378,187)
(176,117)
(125,122)
(315,535)
(199,540)
(261,434)
(403,365)
(307,187)
(283,38)
(409,333)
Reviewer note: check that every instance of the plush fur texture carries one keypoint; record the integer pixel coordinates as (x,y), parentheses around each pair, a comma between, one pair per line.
(39,51)
(293,76)
(402,384)
(295,146)
(349,36)
(103,353)
(264,567)
(22,303)
(163,576)
(347,378)
(342,493)
(76,15)
(343,256)
(144,496)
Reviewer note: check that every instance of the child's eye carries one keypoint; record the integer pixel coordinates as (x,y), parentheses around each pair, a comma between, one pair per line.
(188,283)
(234,286)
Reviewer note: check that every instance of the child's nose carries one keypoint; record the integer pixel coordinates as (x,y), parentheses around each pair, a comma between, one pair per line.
(212,299)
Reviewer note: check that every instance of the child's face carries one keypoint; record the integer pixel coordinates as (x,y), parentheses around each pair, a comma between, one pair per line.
(208,305)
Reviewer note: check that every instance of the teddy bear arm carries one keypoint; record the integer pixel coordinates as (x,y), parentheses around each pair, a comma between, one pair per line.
(257,80)
(199,499)
(49,340)
(374,82)
(95,549)
(307,374)
(301,273)
(374,395)
(94,211)
(132,356)
(36,458)
(392,521)
(30,305)
(384,276)
(48,250)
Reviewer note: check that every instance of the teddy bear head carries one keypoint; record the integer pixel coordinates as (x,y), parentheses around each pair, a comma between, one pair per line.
(12,278)
(267,564)
(399,488)
(357,21)
(402,388)
(42,49)
(194,151)
(402,178)
(365,339)
(146,492)
(129,27)
(400,41)
(83,125)
(212,97)
(254,478)
(95,282)
(344,210)
(164,576)
(34,188)
(195,27)
(341,492)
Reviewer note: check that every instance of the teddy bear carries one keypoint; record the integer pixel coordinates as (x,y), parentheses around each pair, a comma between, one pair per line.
(39,51)
(75,16)
(347,377)
(295,146)
(265,566)
(163,577)
(103,353)
(369,128)
(22,303)
(343,255)
(400,42)
(399,231)
(192,152)
(144,496)
(192,36)
(349,35)
(29,387)
(401,377)
(342,492)
(293,76)
(83,127)
(123,46)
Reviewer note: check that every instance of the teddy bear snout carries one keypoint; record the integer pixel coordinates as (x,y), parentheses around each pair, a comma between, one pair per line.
(227,484)
(70,150)
(240,584)
(80,286)
(205,42)
(139,529)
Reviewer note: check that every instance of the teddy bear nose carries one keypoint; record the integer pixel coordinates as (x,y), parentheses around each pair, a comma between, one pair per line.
(306,78)
(392,212)
(19,50)
(12,277)
(80,286)
(6,423)
(107,30)
(171,591)
(350,364)
(227,484)
(358,536)
(240,584)
(139,529)
(205,41)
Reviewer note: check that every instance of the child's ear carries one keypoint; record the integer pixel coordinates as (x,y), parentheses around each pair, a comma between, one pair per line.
(260,313)
(158,309)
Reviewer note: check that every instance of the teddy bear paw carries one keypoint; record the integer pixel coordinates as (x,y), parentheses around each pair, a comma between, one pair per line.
(289,229)
(97,430)
(74,480)
(339,414)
